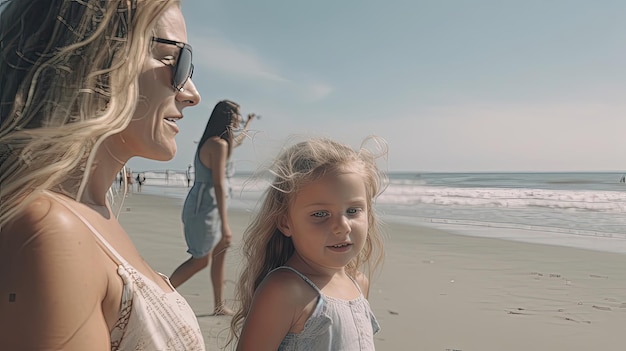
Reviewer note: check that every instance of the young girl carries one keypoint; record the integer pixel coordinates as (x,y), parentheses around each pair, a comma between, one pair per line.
(301,288)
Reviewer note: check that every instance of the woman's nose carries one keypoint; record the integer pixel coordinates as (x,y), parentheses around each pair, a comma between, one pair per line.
(189,94)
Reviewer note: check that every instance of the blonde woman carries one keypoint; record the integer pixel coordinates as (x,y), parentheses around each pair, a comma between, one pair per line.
(302,286)
(86,85)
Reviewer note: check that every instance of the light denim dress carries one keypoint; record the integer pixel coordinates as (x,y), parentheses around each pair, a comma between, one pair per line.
(201,219)
(335,324)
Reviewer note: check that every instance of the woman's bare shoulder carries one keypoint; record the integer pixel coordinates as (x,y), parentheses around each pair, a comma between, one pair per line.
(213,150)
(214,140)
(49,262)
(215,144)
(43,215)
(45,230)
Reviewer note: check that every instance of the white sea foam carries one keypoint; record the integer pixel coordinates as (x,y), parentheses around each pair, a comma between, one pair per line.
(606,201)
(586,209)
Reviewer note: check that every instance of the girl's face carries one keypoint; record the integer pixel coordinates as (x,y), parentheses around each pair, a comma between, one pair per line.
(328,220)
(151,132)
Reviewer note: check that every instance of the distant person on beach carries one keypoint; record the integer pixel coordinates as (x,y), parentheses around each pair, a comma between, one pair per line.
(129,180)
(301,287)
(86,85)
(205,212)
(188,175)
(141,178)
(120,179)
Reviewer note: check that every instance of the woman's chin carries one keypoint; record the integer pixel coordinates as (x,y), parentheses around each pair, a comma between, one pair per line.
(166,157)
(162,154)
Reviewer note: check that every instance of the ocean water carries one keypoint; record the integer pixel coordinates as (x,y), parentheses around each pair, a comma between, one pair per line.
(586,210)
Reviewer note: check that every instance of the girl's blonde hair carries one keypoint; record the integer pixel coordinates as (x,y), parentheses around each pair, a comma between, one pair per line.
(265,247)
(68,71)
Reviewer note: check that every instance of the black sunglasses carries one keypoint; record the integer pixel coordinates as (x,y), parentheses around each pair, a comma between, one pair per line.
(183,70)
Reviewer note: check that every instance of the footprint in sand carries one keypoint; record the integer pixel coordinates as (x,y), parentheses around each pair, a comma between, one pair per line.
(573,320)
(517,311)
(603,308)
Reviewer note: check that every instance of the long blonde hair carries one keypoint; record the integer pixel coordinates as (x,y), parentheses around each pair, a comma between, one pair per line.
(265,247)
(68,71)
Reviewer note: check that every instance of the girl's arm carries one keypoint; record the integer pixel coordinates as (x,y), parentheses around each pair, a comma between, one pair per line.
(52,282)
(275,308)
(239,138)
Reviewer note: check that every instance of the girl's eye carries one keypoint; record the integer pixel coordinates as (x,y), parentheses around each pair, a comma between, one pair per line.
(319,214)
(354,211)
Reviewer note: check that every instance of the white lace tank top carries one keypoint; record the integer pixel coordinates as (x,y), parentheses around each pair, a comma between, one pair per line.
(150,318)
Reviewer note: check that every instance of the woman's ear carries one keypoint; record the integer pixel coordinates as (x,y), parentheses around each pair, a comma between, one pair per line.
(284,225)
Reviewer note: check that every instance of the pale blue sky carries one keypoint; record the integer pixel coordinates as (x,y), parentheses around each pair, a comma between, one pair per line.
(451,85)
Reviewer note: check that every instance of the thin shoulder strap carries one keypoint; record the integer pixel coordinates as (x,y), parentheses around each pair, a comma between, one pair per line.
(111,252)
(307,280)
(356,284)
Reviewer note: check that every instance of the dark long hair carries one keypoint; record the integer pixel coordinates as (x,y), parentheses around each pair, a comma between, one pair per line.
(224,114)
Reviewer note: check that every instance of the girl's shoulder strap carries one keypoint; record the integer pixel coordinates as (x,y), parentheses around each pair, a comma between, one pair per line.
(356,283)
(307,280)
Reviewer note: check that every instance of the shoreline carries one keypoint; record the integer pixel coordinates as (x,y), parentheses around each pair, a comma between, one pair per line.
(601,242)
(436,290)
(575,238)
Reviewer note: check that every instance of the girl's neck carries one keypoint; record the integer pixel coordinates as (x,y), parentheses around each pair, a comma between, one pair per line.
(332,282)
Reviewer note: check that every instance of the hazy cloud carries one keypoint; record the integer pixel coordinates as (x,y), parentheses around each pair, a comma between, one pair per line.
(226,57)
(319,91)
(220,55)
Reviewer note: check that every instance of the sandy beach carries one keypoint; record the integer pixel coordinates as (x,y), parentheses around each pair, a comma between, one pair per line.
(436,291)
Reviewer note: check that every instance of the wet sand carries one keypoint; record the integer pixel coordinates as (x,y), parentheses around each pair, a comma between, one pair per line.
(437,290)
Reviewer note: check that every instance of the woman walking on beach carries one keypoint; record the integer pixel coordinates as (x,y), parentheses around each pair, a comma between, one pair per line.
(301,288)
(205,212)
(86,85)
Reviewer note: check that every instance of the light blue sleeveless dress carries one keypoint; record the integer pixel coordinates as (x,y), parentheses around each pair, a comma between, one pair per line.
(336,324)
(201,219)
